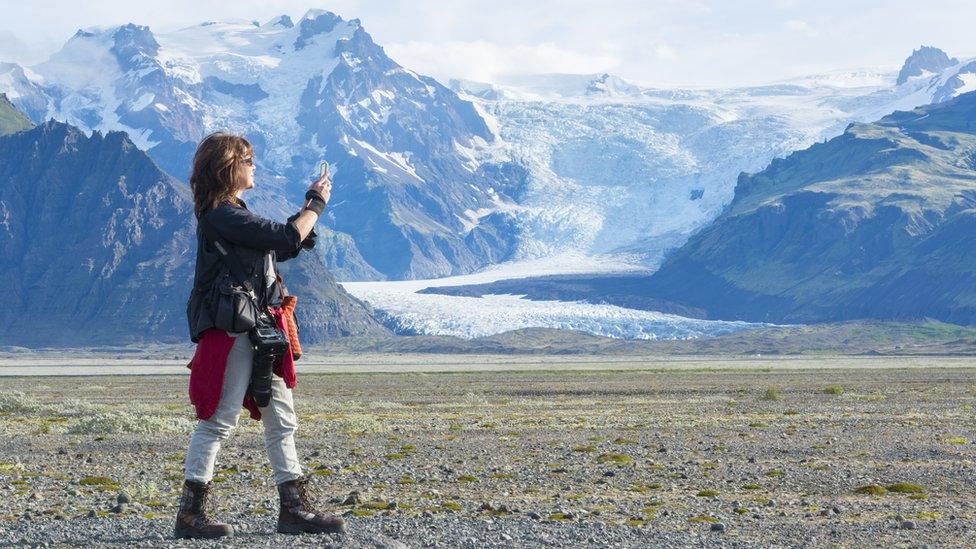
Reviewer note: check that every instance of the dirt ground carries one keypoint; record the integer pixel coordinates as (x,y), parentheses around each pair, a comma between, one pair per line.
(771,454)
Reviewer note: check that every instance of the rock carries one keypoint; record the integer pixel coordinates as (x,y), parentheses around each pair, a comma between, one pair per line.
(354,498)
(533,515)
(92,513)
(74,492)
(907,525)
(718,527)
(609,474)
(36,496)
(379,541)
(837,510)
(123,497)
(486,506)
(771,503)
(120,508)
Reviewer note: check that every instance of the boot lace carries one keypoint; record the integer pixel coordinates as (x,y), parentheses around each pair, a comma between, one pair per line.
(303,496)
(197,504)
(203,507)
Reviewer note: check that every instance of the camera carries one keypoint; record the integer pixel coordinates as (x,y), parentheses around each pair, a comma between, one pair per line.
(269,344)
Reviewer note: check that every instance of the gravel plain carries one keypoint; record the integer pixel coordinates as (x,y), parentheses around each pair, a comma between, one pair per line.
(766,456)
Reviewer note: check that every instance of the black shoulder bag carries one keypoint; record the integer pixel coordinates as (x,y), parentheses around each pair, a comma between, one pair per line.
(239,308)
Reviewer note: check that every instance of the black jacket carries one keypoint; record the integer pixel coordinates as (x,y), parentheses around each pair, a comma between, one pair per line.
(258,242)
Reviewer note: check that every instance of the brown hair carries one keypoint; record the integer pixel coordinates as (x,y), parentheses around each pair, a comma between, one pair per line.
(219,170)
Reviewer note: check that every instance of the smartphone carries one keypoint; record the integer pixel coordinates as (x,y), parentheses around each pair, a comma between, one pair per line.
(321,170)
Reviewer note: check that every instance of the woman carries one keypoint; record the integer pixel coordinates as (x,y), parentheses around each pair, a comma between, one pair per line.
(223,168)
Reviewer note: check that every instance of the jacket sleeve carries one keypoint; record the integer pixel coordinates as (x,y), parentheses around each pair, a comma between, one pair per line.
(307,244)
(242,227)
(285,255)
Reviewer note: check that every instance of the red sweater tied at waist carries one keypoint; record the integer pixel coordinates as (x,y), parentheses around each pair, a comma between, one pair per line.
(210,360)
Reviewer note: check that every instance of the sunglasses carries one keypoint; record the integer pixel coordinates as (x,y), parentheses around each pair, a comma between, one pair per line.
(249,161)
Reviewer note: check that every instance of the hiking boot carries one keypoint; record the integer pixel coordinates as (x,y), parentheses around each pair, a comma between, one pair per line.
(296,514)
(192,520)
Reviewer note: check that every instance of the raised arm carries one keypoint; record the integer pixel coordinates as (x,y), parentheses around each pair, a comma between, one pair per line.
(316,198)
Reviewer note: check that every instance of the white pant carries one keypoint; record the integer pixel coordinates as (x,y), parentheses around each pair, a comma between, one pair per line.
(280,421)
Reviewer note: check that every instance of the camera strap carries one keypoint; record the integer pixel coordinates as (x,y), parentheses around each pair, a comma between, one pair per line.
(226,253)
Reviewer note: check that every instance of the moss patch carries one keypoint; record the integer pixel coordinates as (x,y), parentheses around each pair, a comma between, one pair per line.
(613,458)
(905,488)
(99,483)
(703,518)
(871,490)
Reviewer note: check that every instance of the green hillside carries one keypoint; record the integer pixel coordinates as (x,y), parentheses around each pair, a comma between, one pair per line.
(11,119)
(879,222)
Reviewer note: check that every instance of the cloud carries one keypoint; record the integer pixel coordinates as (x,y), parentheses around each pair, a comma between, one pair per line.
(13,49)
(666,52)
(801,27)
(485,61)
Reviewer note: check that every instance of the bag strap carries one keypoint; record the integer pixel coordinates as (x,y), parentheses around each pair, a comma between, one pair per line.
(226,253)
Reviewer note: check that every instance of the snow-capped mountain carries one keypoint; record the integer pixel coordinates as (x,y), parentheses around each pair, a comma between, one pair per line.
(615,167)
(412,194)
(432,181)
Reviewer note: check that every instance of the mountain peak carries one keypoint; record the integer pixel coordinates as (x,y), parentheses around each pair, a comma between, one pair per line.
(132,39)
(282,21)
(314,13)
(924,59)
(313,23)
(610,85)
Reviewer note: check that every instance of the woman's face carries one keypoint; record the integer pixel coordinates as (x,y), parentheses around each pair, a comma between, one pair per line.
(249,172)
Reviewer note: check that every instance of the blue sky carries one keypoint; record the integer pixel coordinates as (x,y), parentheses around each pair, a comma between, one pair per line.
(658,42)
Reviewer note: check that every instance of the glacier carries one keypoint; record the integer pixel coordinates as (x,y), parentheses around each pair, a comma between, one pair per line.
(408,312)
(616,167)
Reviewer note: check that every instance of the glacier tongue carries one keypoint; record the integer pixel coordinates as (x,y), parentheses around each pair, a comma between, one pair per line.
(410,312)
(471,317)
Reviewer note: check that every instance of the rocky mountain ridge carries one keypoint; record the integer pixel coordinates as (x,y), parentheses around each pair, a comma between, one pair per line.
(98,248)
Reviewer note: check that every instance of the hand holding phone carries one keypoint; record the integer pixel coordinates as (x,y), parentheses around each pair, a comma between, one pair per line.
(322,185)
